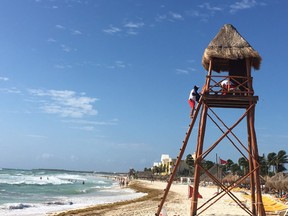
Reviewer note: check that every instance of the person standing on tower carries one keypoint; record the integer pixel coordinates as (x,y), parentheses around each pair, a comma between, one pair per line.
(194,97)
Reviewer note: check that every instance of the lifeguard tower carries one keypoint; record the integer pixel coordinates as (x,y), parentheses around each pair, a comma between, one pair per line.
(231,55)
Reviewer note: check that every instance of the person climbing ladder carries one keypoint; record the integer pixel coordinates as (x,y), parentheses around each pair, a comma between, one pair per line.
(194,97)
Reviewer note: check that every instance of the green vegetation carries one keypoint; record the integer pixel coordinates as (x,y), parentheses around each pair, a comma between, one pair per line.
(269,166)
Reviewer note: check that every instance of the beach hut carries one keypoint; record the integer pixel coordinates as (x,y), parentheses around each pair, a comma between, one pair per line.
(278,182)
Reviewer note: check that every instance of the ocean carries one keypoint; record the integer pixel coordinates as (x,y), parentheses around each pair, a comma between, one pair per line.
(38,192)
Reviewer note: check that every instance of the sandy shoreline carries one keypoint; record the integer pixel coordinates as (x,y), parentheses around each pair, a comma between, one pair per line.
(176,204)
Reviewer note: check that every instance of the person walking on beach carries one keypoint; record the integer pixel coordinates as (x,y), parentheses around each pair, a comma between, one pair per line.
(194,97)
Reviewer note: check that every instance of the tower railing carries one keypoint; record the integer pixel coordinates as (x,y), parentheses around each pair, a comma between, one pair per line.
(228,85)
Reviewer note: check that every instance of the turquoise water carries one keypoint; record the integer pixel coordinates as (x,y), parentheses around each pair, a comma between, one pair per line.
(37,192)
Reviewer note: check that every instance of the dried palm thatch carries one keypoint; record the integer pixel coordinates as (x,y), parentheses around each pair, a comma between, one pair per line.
(230,178)
(229,47)
(278,181)
(286,184)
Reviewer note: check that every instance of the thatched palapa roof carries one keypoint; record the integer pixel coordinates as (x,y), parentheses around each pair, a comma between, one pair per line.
(227,47)
(278,181)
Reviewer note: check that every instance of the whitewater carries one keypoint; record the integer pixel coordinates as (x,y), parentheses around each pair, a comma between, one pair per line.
(40,192)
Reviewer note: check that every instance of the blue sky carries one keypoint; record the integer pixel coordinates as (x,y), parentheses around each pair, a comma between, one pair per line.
(103,84)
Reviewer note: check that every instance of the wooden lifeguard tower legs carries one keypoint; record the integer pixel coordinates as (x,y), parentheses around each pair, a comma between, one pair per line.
(199,150)
(257,205)
(257,208)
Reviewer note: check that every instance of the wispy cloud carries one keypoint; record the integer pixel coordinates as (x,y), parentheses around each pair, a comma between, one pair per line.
(176,16)
(112,30)
(129,28)
(93,123)
(69,30)
(4,78)
(63,66)
(117,64)
(76,32)
(51,40)
(60,26)
(241,5)
(66,48)
(205,11)
(12,90)
(209,7)
(203,16)
(182,71)
(170,16)
(185,71)
(134,25)
(90,125)
(65,103)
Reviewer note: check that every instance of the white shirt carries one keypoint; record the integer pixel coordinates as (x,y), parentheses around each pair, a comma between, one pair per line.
(191,96)
(225,83)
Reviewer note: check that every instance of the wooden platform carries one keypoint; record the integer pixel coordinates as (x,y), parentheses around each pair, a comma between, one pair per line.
(229,100)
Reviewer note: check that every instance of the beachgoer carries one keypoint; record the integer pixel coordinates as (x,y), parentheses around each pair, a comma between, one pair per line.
(227,86)
(224,85)
(194,97)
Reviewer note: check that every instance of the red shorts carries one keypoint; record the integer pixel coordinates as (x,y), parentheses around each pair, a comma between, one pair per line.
(191,103)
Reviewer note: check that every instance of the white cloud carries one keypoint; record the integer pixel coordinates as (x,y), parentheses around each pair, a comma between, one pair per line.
(65,103)
(120,64)
(171,16)
(162,17)
(62,66)
(209,7)
(51,40)
(132,32)
(134,25)
(89,125)
(4,78)
(93,123)
(10,90)
(176,16)
(76,32)
(66,48)
(112,30)
(117,64)
(243,4)
(60,27)
(182,71)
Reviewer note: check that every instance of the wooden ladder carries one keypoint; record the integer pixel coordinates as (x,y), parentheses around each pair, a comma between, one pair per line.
(182,150)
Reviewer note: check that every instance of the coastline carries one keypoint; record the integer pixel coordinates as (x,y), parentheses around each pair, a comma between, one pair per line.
(148,202)
(177,202)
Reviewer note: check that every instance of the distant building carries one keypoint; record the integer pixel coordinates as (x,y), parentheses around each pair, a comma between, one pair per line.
(165,167)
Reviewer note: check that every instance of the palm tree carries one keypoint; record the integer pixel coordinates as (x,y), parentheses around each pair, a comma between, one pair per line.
(207,164)
(263,165)
(271,160)
(227,166)
(190,162)
(281,159)
(235,169)
(244,164)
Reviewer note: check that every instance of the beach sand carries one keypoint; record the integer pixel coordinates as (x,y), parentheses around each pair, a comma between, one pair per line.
(177,202)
